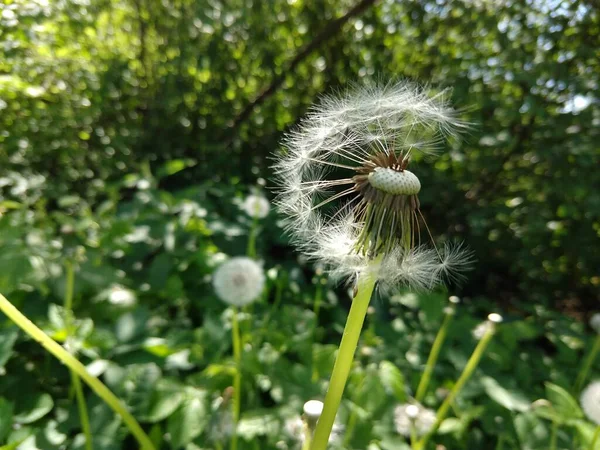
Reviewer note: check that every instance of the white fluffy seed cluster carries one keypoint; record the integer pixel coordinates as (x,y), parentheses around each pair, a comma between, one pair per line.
(590,401)
(315,176)
(239,281)
(394,182)
(595,322)
(256,206)
(411,415)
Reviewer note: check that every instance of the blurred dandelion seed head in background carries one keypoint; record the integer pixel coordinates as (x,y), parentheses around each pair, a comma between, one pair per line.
(239,281)
(256,206)
(595,322)
(407,416)
(590,401)
(350,201)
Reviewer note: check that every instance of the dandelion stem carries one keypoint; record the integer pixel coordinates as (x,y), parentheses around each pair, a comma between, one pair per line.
(595,438)
(72,363)
(316,308)
(553,432)
(237,378)
(464,377)
(433,356)
(251,248)
(75,381)
(343,362)
(587,364)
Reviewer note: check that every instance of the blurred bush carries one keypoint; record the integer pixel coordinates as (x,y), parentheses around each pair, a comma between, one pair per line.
(98,97)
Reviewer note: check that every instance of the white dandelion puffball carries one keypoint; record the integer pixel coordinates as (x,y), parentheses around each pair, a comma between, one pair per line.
(590,401)
(595,322)
(351,203)
(256,206)
(239,281)
(414,415)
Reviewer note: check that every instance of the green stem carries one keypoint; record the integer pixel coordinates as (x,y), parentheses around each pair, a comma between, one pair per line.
(251,248)
(595,438)
(75,381)
(237,378)
(343,361)
(307,438)
(464,377)
(316,308)
(72,363)
(82,407)
(433,356)
(587,364)
(553,432)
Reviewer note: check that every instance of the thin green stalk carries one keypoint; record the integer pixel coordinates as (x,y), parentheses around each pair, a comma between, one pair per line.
(307,438)
(414,439)
(75,381)
(587,364)
(72,363)
(553,432)
(433,356)
(316,309)
(343,361)
(83,412)
(251,248)
(464,377)
(237,378)
(595,438)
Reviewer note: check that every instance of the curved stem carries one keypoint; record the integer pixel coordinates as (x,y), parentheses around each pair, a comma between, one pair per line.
(433,356)
(75,381)
(587,364)
(464,377)
(72,363)
(237,378)
(595,438)
(344,359)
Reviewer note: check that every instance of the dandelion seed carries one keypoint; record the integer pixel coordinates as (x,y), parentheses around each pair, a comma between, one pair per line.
(407,416)
(595,322)
(239,281)
(590,401)
(296,427)
(351,202)
(256,206)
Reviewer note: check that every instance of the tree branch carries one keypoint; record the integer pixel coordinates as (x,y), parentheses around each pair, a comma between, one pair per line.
(330,30)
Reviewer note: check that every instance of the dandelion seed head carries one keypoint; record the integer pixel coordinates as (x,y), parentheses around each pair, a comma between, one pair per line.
(590,401)
(595,322)
(256,206)
(347,194)
(239,281)
(407,416)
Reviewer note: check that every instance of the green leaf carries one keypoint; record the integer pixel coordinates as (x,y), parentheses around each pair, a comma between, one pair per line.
(6,418)
(7,341)
(189,420)
(511,400)
(257,423)
(392,380)
(565,405)
(33,408)
(166,398)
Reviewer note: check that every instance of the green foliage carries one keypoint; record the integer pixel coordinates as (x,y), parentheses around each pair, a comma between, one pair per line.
(121,152)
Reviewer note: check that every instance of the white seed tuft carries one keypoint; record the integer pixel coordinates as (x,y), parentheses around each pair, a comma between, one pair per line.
(595,322)
(590,401)
(407,416)
(256,206)
(239,281)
